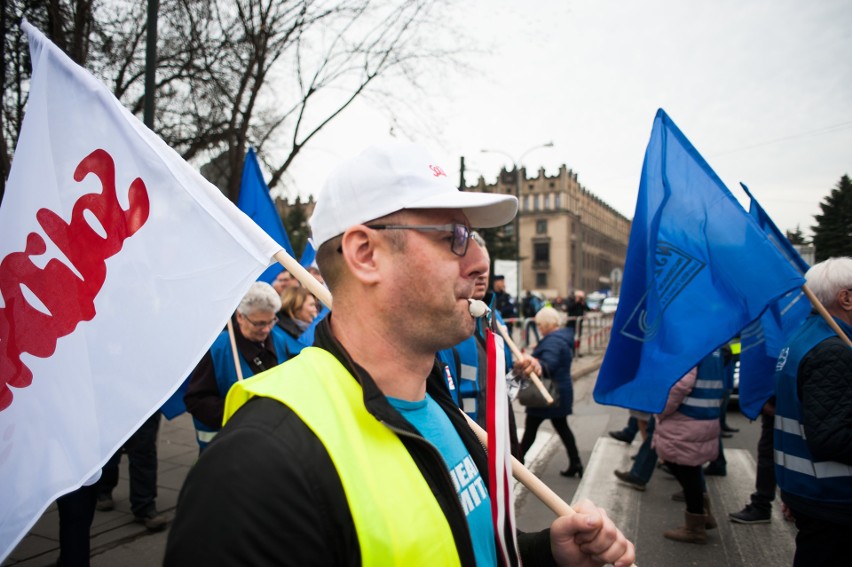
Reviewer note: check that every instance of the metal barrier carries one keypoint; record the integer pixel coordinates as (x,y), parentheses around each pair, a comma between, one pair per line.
(594,330)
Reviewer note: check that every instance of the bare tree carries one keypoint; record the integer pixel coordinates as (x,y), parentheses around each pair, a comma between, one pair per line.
(267,73)
(69,23)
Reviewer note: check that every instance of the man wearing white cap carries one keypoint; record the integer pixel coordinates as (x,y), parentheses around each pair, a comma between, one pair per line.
(353,453)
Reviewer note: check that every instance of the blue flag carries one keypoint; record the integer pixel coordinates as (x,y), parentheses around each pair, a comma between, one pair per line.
(763,340)
(309,255)
(254,201)
(698,270)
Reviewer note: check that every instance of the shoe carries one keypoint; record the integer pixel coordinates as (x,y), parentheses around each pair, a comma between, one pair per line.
(715,470)
(679,497)
(751,515)
(727,429)
(621,436)
(104,502)
(153,520)
(724,435)
(629,480)
(693,532)
(573,470)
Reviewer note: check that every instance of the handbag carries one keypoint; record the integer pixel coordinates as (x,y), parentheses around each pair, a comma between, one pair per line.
(530,397)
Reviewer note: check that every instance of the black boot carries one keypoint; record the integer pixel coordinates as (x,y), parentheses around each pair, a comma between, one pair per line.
(573,469)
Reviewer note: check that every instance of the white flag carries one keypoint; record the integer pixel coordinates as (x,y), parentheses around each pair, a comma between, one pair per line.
(119,265)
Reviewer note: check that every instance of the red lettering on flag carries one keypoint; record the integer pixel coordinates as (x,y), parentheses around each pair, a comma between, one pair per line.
(68,298)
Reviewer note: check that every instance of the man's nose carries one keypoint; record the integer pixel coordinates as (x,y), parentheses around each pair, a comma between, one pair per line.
(475,262)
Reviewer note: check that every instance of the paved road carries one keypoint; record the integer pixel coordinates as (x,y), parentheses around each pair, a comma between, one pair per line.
(644,516)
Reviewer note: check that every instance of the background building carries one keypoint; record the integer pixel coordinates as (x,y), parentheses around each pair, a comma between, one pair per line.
(569,238)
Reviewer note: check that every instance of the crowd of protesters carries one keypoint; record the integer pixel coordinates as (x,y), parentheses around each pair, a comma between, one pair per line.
(305,483)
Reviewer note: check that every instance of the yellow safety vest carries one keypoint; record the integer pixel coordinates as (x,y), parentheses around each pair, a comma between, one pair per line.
(396,516)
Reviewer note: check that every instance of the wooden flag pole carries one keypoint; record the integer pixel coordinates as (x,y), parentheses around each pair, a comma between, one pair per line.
(309,281)
(517,354)
(523,475)
(534,484)
(826,315)
(232,336)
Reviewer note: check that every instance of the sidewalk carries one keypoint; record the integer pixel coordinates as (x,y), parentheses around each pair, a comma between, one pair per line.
(116,538)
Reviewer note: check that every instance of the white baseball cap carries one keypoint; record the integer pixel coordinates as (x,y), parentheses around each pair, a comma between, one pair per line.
(391,177)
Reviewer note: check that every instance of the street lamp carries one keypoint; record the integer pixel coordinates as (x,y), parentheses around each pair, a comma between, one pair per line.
(516,164)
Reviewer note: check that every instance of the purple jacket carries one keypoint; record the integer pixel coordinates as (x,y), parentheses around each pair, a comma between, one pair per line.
(681,439)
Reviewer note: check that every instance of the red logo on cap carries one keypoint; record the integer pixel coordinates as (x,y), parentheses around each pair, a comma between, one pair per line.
(437,171)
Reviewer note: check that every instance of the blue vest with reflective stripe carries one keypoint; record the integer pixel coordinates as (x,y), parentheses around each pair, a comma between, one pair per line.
(705,400)
(226,371)
(466,375)
(796,471)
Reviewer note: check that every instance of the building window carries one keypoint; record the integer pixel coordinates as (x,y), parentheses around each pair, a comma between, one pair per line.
(541,252)
(536,202)
(541,280)
(526,203)
(541,226)
(558,204)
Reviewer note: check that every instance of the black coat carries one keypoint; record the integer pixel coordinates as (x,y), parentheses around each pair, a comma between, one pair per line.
(555,352)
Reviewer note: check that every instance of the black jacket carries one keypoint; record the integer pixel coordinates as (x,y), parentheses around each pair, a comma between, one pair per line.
(265,492)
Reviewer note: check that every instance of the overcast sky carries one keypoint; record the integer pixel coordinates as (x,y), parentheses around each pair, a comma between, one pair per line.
(762,88)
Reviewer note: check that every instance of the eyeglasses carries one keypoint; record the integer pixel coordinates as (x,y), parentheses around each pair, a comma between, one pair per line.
(261,324)
(460,232)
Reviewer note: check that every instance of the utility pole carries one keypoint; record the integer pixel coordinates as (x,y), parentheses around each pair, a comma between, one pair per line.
(150,64)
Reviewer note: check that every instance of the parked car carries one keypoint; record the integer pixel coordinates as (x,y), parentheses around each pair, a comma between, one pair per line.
(609,305)
(593,300)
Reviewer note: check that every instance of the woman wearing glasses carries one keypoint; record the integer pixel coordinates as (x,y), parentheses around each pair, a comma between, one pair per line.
(261,345)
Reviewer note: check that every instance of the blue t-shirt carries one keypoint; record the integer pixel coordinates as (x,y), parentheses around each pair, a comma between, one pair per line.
(434,425)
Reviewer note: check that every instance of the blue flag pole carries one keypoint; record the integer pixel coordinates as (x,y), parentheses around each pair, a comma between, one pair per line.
(255,201)
(698,270)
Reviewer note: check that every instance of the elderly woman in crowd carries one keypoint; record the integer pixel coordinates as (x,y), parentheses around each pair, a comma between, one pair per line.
(554,353)
(260,345)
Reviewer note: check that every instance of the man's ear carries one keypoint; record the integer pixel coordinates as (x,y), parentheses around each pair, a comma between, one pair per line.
(359,249)
(844,299)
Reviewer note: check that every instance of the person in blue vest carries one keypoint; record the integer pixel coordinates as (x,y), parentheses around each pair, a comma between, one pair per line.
(687,435)
(466,365)
(261,346)
(353,453)
(813,422)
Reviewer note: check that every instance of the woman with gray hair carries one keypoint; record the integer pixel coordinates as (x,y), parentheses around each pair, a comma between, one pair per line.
(261,345)
(555,352)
